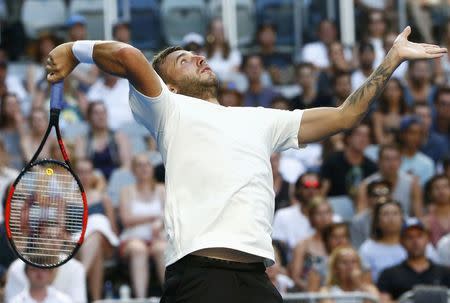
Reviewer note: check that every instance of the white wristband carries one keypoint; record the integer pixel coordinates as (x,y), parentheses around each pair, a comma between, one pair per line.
(83,51)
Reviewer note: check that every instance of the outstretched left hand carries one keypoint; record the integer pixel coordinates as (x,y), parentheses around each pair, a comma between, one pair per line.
(407,50)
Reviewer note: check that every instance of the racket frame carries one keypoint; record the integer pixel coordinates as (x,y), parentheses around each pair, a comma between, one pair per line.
(56,100)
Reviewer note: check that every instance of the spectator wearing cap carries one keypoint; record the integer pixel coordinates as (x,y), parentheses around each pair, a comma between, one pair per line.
(193,42)
(343,171)
(275,62)
(405,187)
(257,93)
(416,269)
(437,193)
(121,31)
(414,161)
(39,289)
(366,54)
(378,191)
(434,145)
(85,74)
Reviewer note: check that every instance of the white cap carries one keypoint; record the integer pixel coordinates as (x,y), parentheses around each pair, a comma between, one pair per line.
(193,37)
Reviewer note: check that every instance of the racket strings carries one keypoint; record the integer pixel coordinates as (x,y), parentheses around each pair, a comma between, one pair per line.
(46,216)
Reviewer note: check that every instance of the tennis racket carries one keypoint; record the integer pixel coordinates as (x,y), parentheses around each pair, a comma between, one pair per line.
(46,210)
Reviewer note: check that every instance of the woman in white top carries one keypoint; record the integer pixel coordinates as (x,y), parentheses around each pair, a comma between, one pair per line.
(141,213)
(101,231)
(223,60)
(345,275)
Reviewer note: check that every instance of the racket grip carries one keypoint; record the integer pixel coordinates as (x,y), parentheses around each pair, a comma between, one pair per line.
(57,95)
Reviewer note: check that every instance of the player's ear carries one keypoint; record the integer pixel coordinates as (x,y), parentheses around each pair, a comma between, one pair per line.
(172,88)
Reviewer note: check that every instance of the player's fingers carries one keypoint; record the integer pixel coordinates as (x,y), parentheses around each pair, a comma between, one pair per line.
(438,50)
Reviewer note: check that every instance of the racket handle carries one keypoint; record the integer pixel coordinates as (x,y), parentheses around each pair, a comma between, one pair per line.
(57,95)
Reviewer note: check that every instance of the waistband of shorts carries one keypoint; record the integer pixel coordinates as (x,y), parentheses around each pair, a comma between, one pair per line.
(200,261)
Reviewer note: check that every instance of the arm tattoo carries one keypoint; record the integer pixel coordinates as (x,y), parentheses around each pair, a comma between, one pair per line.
(358,102)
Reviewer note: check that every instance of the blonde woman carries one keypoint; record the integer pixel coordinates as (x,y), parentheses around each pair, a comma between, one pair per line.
(345,275)
(141,213)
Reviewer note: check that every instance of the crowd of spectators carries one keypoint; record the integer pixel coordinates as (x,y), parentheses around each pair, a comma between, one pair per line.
(366,210)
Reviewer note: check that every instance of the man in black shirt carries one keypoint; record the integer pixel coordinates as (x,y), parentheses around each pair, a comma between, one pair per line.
(342,172)
(416,269)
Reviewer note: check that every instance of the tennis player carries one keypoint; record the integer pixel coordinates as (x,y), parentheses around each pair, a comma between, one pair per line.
(220,199)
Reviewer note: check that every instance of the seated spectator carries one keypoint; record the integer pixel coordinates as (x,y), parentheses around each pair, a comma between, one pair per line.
(121,31)
(229,95)
(141,213)
(343,171)
(376,29)
(317,52)
(7,176)
(405,187)
(334,235)
(113,91)
(31,137)
(414,161)
(257,93)
(306,77)
(223,60)
(276,63)
(443,64)
(311,253)
(378,191)
(277,276)
(416,269)
(433,145)
(391,107)
(437,193)
(281,187)
(345,275)
(193,42)
(290,224)
(107,149)
(419,85)
(441,121)
(40,289)
(11,84)
(101,230)
(383,249)
(366,54)
(69,279)
(10,119)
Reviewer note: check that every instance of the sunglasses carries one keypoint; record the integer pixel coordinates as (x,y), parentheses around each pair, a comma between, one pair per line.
(311,184)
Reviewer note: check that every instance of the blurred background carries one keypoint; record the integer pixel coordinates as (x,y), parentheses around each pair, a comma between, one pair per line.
(343,206)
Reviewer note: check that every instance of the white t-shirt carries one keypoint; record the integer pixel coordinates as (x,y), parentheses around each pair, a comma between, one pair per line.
(224,68)
(219,182)
(115,99)
(70,280)
(291,226)
(53,296)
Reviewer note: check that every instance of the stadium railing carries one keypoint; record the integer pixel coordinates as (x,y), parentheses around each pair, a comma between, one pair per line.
(306,297)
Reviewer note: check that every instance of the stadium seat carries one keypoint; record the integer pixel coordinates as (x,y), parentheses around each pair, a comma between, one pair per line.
(182,17)
(145,24)
(342,206)
(35,15)
(281,14)
(93,11)
(245,15)
(118,180)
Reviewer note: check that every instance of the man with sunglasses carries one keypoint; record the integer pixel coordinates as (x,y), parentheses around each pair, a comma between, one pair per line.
(378,191)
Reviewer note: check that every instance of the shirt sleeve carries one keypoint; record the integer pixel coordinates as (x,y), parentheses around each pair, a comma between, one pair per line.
(285,126)
(152,112)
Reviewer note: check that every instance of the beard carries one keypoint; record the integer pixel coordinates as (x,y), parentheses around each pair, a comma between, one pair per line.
(198,88)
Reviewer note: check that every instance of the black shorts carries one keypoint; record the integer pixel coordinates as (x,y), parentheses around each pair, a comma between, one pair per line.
(195,279)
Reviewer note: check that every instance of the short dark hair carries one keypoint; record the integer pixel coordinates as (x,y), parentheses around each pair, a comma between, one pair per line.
(340,74)
(160,58)
(375,232)
(385,147)
(365,46)
(429,185)
(443,90)
(372,185)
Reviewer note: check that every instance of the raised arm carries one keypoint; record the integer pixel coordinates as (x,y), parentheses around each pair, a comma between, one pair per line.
(319,123)
(112,57)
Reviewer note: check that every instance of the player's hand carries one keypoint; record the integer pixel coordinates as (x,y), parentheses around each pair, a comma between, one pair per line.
(407,50)
(60,62)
